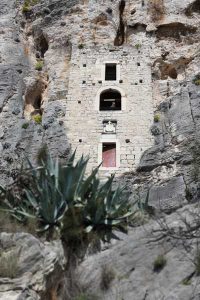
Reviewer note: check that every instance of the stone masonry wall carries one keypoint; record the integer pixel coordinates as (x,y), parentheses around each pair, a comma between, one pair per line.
(84,121)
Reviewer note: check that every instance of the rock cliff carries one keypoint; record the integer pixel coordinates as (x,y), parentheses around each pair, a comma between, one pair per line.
(37,42)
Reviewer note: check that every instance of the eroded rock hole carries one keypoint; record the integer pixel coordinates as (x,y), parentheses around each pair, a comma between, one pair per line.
(120,36)
(41,44)
(174,30)
(194,7)
(37,102)
(34,97)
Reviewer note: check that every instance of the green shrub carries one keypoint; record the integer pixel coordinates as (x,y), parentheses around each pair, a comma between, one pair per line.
(197,263)
(138,46)
(157,118)
(196,80)
(80,46)
(28,4)
(9,264)
(37,119)
(25,125)
(86,296)
(159,263)
(62,198)
(186,281)
(107,276)
(39,65)
(26,8)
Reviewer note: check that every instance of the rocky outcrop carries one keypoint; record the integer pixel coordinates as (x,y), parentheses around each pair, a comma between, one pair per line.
(132,261)
(35,55)
(37,268)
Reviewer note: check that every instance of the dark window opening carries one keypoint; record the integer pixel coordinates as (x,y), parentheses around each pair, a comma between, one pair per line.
(110,100)
(109,155)
(111,72)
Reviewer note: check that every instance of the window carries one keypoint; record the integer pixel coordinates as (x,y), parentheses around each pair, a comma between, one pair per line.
(109,155)
(111,72)
(110,100)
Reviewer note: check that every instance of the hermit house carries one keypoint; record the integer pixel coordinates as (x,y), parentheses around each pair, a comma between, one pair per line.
(109,106)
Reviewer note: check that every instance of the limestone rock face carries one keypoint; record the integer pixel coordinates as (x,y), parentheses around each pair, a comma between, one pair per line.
(43,57)
(39,267)
(132,261)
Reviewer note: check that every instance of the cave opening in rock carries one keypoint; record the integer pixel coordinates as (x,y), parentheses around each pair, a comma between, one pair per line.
(41,44)
(194,7)
(37,102)
(174,30)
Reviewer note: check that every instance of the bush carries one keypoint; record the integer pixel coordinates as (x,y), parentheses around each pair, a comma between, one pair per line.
(25,125)
(197,263)
(8,264)
(80,46)
(107,276)
(186,281)
(39,65)
(86,296)
(196,80)
(26,8)
(138,46)
(157,118)
(62,198)
(27,5)
(37,119)
(159,263)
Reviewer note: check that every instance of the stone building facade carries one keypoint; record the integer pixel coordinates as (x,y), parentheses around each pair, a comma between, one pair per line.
(109,106)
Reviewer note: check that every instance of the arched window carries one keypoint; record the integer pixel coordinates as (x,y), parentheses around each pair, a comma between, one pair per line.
(110,100)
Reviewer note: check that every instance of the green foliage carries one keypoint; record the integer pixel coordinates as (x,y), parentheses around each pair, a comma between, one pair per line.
(86,296)
(62,197)
(39,65)
(80,46)
(37,118)
(108,274)
(159,263)
(186,281)
(28,4)
(157,118)
(138,46)
(194,149)
(9,264)
(25,125)
(197,262)
(196,80)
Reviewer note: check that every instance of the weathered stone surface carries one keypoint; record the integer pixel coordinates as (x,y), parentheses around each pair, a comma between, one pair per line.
(38,265)
(158,61)
(132,260)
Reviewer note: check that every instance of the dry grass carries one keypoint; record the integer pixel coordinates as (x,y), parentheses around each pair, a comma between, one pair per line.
(11,225)
(9,263)
(108,274)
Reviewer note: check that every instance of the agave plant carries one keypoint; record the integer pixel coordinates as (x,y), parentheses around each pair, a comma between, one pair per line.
(81,207)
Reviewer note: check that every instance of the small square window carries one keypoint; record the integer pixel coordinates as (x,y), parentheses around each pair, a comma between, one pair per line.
(111,72)
(84,65)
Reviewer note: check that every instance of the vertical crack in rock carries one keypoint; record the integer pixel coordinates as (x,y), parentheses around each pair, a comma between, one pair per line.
(120,37)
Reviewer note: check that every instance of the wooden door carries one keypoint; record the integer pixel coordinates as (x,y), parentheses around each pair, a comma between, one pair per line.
(109,155)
